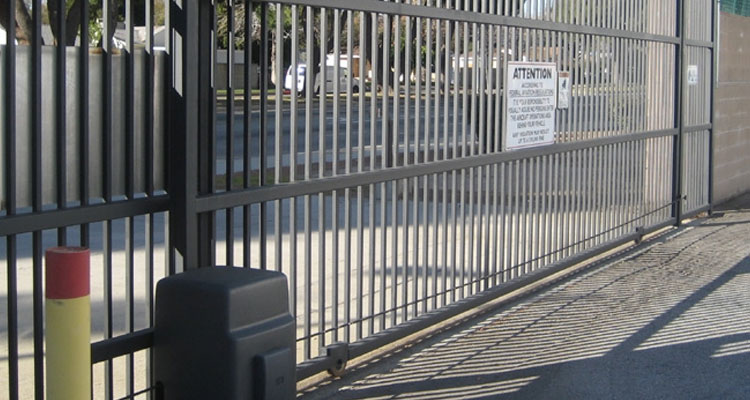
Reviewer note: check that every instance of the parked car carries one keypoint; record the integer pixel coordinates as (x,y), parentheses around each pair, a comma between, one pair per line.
(301,74)
(300,78)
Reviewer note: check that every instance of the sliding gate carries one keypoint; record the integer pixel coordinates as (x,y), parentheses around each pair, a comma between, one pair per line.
(363,148)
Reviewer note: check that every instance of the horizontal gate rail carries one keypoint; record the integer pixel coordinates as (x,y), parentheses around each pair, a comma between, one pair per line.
(453,15)
(110,349)
(236,198)
(39,221)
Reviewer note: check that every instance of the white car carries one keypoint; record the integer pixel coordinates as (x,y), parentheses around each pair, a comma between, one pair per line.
(290,77)
(301,71)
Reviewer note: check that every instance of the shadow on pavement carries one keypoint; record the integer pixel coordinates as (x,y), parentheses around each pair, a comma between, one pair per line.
(669,320)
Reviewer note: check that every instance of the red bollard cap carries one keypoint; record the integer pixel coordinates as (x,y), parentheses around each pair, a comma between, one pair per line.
(67,272)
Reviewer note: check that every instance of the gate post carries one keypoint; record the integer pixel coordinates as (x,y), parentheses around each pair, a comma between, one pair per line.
(714,80)
(190,134)
(677,142)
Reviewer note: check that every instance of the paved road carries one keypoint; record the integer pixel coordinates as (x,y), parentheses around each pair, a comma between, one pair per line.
(433,127)
(667,320)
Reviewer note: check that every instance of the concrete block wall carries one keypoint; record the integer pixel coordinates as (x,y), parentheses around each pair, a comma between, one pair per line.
(732,102)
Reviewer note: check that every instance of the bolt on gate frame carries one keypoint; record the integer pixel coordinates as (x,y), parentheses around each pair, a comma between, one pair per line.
(356,146)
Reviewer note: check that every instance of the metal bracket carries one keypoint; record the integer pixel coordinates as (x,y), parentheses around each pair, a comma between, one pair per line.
(639,233)
(339,354)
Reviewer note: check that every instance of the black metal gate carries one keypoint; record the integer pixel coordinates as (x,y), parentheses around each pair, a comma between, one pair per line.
(360,147)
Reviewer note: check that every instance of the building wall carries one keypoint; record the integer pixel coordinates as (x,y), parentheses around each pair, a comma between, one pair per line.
(732,102)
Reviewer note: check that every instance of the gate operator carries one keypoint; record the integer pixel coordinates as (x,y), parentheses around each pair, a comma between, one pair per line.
(224,333)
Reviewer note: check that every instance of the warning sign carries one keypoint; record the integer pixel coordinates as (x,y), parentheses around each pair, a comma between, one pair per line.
(563,90)
(531,94)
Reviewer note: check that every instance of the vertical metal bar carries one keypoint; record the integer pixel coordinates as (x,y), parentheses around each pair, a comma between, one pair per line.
(307,263)
(591,192)
(148,126)
(395,139)
(148,102)
(321,287)
(474,149)
(428,68)
(567,205)
(192,114)
(347,170)
(557,171)
(247,143)
(263,138)
(371,247)
(534,180)
(278,131)
(405,246)
(446,147)
(149,168)
(539,210)
(383,243)
(335,150)
(523,239)
(360,168)
(481,132)
(580,159)
(425,239)
(505,206)
(435,157)
(494,243)
(129,188)
(83,109)
(614,180)
(107,181)
(600,188)
(293,150)
(677,145)
(454,154)
(9,88)
(515,242)
(60,117)
(373,154)
(37,195)
(546,216)
(229,149)
(417,197)
(323,93)
(385,154)
(714,34)
(335,262)
(309,17)
(406,161)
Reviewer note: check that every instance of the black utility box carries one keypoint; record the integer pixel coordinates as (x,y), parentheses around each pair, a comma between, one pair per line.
(224,333)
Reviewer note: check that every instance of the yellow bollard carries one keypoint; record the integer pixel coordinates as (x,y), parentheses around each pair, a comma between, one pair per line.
(68,323)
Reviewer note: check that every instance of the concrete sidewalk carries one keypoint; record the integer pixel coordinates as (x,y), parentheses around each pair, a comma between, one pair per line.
(669,319)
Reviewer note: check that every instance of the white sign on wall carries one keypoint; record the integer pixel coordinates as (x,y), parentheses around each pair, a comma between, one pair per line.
(531,99)
(563,90)
(692,75)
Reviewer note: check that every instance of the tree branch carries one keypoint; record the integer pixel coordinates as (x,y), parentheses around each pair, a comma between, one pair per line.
(24,23)
(72,23)
(22,19)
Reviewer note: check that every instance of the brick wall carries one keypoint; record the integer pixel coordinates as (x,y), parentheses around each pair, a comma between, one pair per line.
(732,102)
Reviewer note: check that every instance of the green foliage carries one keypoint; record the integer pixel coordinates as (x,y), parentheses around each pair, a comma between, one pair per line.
(739,7)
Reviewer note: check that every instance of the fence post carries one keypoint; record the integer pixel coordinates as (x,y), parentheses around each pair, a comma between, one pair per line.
(712,114)
(677,142)
(190,136)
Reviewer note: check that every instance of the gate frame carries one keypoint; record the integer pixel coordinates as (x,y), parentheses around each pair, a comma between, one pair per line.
(191,203)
